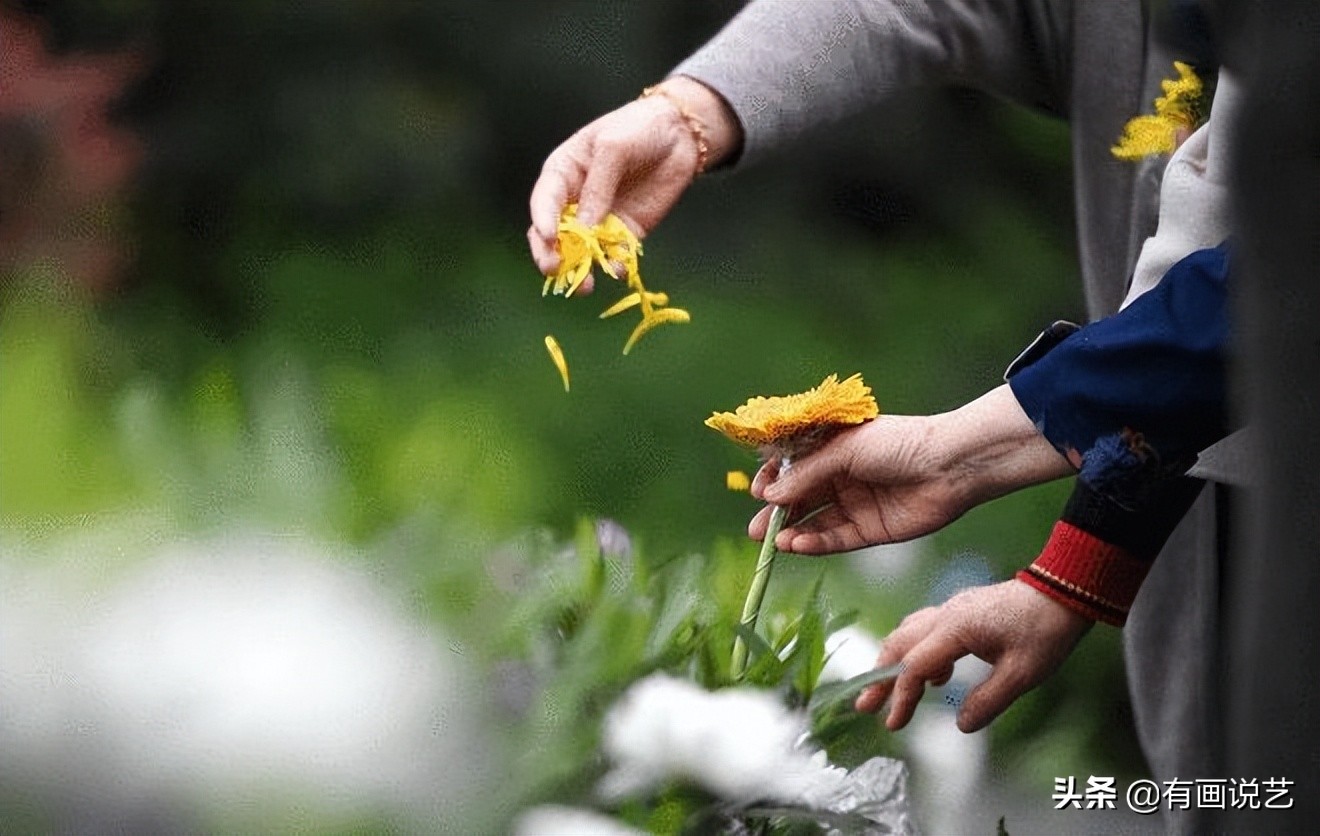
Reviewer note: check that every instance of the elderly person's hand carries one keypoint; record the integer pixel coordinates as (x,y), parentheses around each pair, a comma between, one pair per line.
(899,476)
(635,162)
(1024,634)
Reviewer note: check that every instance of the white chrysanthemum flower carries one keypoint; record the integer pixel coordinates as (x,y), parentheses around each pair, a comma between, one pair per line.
(556,820)
(850,652)
(241,676)
(741,744)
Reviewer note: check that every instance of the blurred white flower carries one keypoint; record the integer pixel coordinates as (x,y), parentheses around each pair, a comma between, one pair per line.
(613,539)
(740,744)
(554,820)
(849,652)
(949,767)
(241,674)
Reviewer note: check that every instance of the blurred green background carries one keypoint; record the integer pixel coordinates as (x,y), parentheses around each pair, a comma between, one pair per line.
(319,313)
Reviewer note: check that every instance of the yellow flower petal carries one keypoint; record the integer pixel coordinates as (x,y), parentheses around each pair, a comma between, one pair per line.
(793,420)
(579,276)
(557,355)
(612,245)
(736,480)
(574,244)
(657,317)
(659,300)
(1144,136)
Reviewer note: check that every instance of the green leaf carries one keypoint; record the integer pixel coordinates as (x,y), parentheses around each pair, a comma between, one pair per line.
(786,637)
(827,696)
(588,550)
(844,619)
(809,660)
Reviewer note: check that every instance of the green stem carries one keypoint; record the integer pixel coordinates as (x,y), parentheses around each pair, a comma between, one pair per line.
(756,593)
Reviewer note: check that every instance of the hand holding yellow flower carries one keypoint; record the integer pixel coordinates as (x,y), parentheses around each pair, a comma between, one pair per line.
(785,427)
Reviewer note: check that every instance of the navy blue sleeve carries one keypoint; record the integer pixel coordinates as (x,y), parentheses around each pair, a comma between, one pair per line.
(1131,399)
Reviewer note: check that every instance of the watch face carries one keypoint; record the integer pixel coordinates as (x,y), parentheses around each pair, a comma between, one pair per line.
(1045,341)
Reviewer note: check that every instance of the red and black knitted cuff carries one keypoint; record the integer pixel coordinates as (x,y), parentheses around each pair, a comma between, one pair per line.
(1086,574)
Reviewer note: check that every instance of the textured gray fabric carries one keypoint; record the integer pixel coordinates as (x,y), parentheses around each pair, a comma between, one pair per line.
(1173,655)
(1235,460)
(789,66)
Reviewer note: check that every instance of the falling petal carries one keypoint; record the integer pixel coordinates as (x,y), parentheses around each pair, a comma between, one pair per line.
(658,317)
(736,480)
(631,300)
(557,355)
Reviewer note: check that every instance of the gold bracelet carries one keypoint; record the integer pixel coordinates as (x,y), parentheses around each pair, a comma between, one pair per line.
(695,126)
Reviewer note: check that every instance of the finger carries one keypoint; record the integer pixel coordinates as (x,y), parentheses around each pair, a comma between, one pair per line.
(907,635)
(559,176)
(941,679)
(811,474)
(608,160)
(829,532)
(767,474)
(757,527)
(545,256)
(925,662)
(1007,681)
(873,697)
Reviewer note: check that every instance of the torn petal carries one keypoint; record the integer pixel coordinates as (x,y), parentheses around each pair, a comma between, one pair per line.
(659,300)
(657,317)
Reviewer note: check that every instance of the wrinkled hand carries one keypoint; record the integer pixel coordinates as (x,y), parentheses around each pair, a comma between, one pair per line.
(635,162)
(902,476)
(882,482)
(1023,633)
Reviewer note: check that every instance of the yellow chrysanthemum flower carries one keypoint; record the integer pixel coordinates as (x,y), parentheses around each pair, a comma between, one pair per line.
(1182,107)
(736,480)
(787,426)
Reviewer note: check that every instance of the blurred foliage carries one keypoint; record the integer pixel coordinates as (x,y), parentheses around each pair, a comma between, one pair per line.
(333,324)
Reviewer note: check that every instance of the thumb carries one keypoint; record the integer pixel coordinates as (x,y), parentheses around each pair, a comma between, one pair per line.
(807,477)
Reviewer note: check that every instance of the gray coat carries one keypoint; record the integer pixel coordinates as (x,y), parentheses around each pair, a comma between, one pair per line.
(790,66)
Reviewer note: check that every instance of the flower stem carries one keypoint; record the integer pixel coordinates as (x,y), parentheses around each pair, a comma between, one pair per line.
(756,593)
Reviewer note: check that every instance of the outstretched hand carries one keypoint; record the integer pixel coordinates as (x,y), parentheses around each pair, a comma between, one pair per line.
(901,476)
(1023,633)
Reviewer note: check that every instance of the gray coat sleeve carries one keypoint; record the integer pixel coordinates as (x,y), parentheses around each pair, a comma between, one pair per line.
(789,65)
